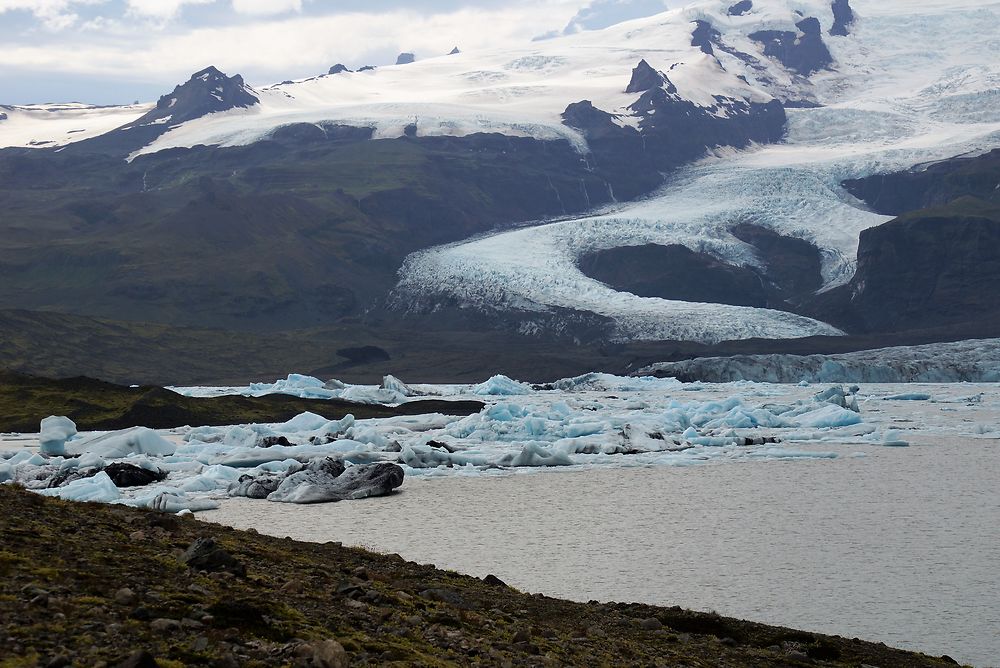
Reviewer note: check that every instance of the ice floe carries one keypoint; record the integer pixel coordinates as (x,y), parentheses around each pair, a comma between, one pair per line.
(593,420)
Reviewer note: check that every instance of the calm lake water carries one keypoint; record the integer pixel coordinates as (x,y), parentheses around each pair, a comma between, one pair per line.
(899,545)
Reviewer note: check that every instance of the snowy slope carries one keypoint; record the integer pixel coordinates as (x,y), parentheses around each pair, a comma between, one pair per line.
(915,81)
(47,125)
(520,92)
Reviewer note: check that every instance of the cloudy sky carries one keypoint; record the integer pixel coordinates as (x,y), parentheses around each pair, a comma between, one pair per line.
(117,51)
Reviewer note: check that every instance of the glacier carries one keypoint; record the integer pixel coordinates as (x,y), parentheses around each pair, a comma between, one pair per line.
(975,360)
(888,104)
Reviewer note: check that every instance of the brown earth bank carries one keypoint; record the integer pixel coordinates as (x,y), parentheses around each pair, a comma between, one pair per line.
(98,405)
(101,585)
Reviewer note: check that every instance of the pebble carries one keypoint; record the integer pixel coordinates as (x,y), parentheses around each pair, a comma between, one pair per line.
(329,654)
(163,625)
(125,596)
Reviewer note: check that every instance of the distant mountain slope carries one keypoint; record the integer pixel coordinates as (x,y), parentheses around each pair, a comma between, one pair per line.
(461,196)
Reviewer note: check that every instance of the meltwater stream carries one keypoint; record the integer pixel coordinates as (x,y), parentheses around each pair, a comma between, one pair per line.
(900,545)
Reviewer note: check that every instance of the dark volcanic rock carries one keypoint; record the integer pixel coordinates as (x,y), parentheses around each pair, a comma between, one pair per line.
(645,77)
(366,68)
(930,185)
(206,92)
(932,267)
(843,17)
(803,53)
(674,272)
(741,8)
(794,266)
(676,131)
(454,51)
(405,58)
(338,68)
(130,475)
(205,555)
(704,36)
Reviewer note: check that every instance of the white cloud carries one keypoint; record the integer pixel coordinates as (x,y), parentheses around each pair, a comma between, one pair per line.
(162,10)
(123,53)
(54,15)
(267,7)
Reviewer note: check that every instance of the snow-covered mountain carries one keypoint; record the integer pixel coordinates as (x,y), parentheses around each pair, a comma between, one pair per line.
(724,128)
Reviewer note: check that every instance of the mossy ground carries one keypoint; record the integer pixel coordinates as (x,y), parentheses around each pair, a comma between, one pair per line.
(63,567)
(97,405)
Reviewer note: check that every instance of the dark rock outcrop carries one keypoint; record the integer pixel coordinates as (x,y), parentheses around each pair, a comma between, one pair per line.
(338,68)
(206,92)
(936,266)
(3,116)
(674,272)
(204,554)
(791,273)
(843,17)
(366,68)
(645,77)
(930,185)
(704,35)
(454,51)
(793,270)
(741,8)
(405,58)
(803,52)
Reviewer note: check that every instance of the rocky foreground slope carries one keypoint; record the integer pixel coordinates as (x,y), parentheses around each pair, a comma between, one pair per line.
(110,586)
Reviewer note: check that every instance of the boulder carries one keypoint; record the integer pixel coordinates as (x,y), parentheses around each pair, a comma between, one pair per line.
(405,58)
(205,555)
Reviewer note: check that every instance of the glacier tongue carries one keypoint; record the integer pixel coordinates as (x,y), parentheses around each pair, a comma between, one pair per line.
(891,102)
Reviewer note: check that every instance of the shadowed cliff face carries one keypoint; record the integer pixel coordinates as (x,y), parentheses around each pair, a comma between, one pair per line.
(936,264)
(930,185)
(927,268)
(790,275)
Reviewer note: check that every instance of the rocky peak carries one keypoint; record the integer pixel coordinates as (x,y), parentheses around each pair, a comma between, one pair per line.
(206,92)
(644,78)
(338,68)
(803,52)
(454,51)
(843,17)
(405,58)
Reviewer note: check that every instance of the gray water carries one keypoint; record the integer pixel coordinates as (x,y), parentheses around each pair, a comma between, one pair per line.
(899,546)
